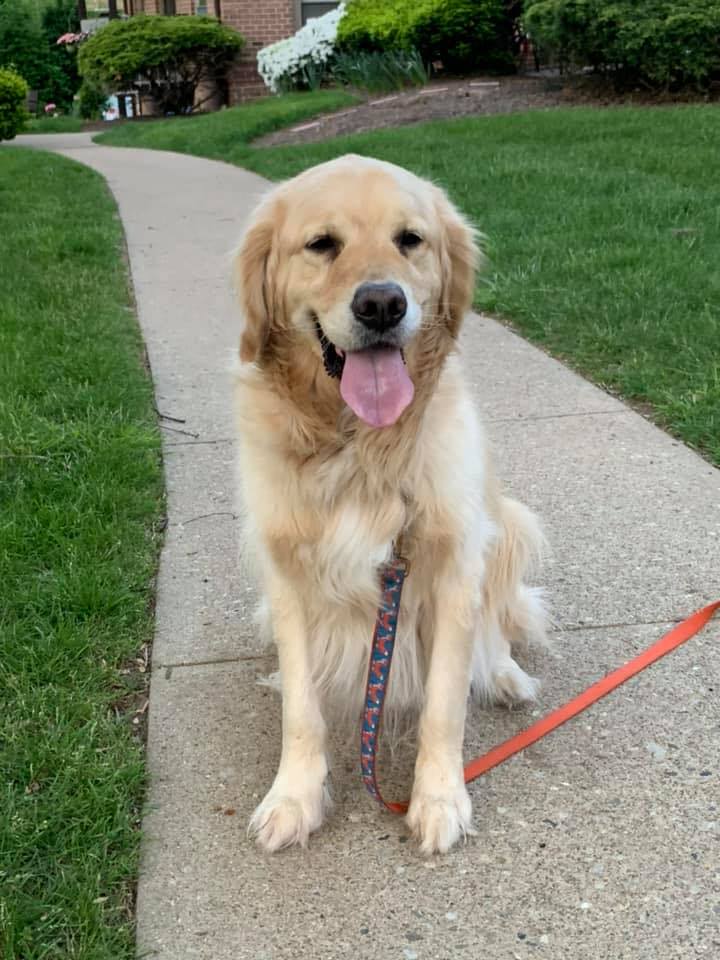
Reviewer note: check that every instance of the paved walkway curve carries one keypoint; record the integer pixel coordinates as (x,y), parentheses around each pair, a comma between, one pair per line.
(600,842)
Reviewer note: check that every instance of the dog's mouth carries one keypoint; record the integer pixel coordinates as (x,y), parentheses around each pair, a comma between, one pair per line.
(374,381)
(333,358)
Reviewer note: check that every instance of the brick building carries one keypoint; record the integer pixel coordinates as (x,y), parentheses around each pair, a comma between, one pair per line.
(259,21)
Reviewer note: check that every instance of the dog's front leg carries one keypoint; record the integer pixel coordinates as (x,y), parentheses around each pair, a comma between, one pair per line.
(296,802)
(440,808)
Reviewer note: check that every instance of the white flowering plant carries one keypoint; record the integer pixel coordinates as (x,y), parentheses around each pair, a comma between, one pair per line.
(301,61)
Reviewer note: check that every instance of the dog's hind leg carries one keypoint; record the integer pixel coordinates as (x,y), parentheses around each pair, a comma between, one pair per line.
(513,614)
(496,675)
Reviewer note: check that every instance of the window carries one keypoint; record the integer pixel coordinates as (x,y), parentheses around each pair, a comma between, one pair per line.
(314,8)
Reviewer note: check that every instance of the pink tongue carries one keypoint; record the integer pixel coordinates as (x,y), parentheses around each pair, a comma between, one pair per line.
(375,385)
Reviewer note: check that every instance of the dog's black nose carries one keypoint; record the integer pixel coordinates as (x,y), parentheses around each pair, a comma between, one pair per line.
(379,306)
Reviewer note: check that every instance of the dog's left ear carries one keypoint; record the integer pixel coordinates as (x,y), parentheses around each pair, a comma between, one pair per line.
(460,260)
(254,282)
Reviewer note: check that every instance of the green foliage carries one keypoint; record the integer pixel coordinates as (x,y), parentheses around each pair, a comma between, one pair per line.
(662,44)
(91,100)
(376,24)
(377,71)
(172,54)
(27,43)
(310,76)
(13,91)
(63,79)
(463,34)
(21,42)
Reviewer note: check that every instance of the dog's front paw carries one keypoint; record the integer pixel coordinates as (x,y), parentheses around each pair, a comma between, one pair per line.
(286,818)
(439,819)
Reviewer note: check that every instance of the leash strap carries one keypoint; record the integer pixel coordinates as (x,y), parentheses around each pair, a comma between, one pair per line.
(379,671)
(392,579)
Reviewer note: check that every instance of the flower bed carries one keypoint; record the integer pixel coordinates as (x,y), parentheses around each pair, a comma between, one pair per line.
(301,61)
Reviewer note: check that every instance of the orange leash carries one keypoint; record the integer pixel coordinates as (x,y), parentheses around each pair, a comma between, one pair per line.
(666,644)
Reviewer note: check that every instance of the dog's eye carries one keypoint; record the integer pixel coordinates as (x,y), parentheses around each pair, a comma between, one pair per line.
(323,244)
(407,240)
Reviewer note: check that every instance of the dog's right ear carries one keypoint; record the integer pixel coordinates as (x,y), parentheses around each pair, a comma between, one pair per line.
(253,281)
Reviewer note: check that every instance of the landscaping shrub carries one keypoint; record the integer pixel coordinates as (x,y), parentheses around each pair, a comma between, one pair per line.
(377,71)
(172,55)
(310,57)
(13,92)
(463,34)
(302,61)
(91,100)
(376,24)
(661,44)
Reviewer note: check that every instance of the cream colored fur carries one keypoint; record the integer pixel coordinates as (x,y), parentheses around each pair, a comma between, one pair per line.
(326,496)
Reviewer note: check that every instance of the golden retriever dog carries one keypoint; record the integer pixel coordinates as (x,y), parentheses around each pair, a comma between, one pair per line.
(356,429)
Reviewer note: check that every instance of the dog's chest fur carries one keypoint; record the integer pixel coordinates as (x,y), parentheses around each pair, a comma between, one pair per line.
(329,521)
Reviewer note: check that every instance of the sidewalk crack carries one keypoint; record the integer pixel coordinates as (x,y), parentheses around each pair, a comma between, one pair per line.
(242,658)
(205,516)
(576,628)
(557,416)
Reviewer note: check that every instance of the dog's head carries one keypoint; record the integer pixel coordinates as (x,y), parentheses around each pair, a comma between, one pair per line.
(362,263)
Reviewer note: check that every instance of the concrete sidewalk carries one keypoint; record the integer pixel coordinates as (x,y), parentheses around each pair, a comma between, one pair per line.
(602,841)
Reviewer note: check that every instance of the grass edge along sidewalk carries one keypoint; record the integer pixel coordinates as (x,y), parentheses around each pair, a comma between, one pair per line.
(82,501)
(602,226)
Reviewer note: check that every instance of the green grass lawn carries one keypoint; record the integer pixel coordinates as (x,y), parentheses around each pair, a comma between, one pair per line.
(80,505)
(225,135)
(54,125)
(603,231)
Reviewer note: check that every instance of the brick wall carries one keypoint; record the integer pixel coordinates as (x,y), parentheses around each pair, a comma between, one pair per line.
(182,7)
(260,22)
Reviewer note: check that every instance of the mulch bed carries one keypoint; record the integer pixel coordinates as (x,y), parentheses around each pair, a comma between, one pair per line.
(479,96)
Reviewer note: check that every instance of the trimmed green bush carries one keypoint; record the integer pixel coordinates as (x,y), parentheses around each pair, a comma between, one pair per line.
(91,100)
(13,93)
(171,55)
(376,24)
(661,44)
(463,34)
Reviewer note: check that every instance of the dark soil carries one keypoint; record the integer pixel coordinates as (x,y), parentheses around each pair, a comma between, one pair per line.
(479,96)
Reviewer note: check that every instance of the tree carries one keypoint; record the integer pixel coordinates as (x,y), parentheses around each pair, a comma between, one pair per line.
(22,45)
(61,17)
(28,44)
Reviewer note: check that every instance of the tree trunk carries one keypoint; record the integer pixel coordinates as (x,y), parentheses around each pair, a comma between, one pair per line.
(112,10)
(82,10)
